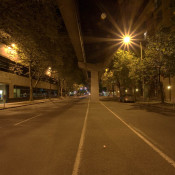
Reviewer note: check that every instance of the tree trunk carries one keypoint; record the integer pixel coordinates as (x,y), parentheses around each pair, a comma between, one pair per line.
(31,87)
(61,88)
(58,88)
(170,88)
(120,90)
(143,89)
(50,90)
(162,94)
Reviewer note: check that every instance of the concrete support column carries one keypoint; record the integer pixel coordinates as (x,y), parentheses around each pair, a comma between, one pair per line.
(94,69)
(11,91)
(94,86)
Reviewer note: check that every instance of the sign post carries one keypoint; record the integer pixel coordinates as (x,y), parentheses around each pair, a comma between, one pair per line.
(4,100)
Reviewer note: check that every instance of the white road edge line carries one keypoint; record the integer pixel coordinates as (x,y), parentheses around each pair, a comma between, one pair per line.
(163,155)
(26,120)
(80,147)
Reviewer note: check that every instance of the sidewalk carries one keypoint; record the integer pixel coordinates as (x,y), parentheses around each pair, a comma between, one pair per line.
(151,104)
(26,103)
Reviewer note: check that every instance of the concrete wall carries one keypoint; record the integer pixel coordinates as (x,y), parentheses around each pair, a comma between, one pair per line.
(13,79)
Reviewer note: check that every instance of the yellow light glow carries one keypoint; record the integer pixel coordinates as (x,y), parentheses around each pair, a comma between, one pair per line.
(103,16)
(169,87)
(126,39)
(137,90)
(13,45)
(12,54)
(49,71)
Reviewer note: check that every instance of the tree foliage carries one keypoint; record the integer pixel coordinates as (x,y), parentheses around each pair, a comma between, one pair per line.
(122,71)
(160,53)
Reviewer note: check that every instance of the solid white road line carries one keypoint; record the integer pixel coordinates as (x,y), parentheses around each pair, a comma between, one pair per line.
(80,148)
(26,120)
(163,155)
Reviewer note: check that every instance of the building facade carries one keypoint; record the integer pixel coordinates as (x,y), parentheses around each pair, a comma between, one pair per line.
(15,85)
(157,13)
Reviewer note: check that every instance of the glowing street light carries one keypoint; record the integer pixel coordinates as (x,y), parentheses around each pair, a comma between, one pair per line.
(126,39)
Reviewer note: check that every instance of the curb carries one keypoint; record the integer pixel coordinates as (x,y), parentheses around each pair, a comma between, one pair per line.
(22,105)
(28,104)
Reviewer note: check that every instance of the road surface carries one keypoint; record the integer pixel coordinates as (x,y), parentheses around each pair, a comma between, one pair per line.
(77,137)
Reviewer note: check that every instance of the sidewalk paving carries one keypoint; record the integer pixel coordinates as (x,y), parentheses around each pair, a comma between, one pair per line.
(150,104)
(26,103)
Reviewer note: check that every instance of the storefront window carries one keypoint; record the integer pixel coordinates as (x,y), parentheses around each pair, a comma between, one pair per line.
(21,91)
(2,91)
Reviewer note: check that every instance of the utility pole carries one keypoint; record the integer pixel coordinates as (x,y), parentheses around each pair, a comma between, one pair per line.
(143,83)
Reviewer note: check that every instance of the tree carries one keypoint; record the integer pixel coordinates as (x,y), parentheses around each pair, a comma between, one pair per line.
(107,79)
(160,56)
(121,72)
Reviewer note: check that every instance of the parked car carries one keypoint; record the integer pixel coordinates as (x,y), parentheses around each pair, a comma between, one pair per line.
(127,98)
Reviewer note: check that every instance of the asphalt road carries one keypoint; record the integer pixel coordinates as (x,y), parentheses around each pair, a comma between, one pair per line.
(76,137)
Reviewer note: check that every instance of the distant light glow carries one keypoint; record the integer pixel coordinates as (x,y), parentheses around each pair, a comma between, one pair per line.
(137,90)
(103,16)
(12,54)
(13,45)
(49,71)
(169,87)
(145,35)
(126,90)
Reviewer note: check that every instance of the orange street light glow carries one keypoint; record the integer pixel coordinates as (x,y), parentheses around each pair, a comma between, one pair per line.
(126,39)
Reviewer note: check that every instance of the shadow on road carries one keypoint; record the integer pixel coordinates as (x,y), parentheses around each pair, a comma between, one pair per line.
(109,99)
(165,110)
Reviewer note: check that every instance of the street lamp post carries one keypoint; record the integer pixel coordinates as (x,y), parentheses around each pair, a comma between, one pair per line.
(143,83)
(127,40)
